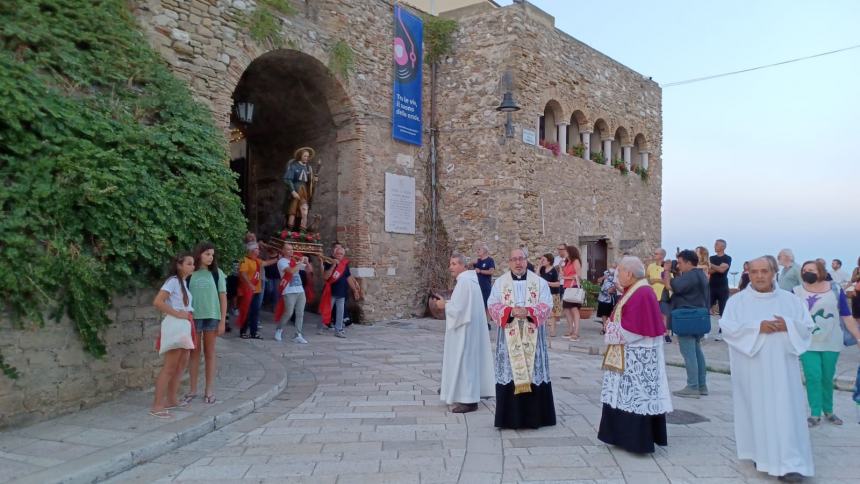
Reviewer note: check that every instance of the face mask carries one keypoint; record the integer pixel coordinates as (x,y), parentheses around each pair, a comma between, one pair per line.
(809,277)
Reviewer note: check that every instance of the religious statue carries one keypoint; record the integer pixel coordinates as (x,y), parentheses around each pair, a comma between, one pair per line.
(300,181)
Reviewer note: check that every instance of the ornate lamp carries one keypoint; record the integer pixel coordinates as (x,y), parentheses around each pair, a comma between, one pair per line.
(508,106)
(245,111)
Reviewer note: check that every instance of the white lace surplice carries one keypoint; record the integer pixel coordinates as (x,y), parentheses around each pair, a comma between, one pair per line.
(504,375)
(643,388)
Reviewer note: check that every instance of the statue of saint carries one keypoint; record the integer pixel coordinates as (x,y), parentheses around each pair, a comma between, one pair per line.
(300,181)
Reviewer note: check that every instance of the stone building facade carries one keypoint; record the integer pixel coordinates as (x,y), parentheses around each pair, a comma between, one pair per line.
(494,188)
(569,93)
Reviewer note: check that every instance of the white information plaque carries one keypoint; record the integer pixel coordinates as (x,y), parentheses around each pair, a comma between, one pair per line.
(399,204)
(529,136)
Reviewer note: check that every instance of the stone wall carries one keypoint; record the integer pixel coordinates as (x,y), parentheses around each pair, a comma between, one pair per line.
(506,192)
(56,374)
(493,188)
(205,43)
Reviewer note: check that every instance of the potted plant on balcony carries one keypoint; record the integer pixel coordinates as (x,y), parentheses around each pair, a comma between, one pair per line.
(620,166)
(590,303)
(597,157)
(642,172)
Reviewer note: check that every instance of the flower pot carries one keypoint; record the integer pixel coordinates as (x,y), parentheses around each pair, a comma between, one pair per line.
(586,313)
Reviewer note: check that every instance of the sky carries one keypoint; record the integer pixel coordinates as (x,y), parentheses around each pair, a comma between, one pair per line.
(767,159)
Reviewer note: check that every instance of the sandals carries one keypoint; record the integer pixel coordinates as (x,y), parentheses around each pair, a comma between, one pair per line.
(188,398)
(162,414)
(832,418)
(210,399)
(813,421)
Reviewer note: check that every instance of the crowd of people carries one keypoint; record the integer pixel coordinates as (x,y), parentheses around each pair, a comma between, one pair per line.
(198,298)
(786,320)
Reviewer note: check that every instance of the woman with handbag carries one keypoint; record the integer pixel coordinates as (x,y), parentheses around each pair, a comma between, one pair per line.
(635,393)
(176,336)
(690,320)
(831,315)
(573,295)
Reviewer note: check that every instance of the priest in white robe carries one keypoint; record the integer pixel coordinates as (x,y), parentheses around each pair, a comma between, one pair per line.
(467,364)
(520,303)
(767,329)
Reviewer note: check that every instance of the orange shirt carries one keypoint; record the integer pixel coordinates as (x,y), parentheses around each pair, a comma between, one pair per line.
(252,268)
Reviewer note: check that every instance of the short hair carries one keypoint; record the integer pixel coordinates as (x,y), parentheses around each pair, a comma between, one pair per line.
(774,264)
(460,257)
(521,249)
(689,256)
(838,262)
(481,245)
(662,251)
(788,253)
(634,265)
(549,257)
(819,268)
(723,241)
(525,250)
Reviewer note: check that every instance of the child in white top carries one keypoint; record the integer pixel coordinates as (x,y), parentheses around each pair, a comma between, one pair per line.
(173,299)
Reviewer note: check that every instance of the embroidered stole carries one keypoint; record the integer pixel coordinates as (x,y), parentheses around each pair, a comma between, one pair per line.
(613,359)
(521,336)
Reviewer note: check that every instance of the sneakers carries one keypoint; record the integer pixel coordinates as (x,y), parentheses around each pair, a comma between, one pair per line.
(300,340)
(279,334)
(813,421)
(687,392)
(340,334)
(703,390)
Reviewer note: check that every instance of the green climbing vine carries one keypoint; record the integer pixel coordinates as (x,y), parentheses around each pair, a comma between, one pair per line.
(108,167)
(263,23)
(438,38)
(341,59)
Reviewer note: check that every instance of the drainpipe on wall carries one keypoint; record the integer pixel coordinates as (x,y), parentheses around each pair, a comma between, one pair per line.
(433,132)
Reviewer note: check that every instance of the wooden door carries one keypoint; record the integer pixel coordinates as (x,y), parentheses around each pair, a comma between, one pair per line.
(597,261)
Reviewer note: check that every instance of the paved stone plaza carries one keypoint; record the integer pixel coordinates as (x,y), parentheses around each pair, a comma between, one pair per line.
(366,409)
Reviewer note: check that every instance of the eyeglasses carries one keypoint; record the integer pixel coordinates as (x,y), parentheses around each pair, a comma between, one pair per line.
(517,259)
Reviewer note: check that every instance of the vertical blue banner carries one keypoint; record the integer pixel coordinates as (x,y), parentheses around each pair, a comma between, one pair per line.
(408,59)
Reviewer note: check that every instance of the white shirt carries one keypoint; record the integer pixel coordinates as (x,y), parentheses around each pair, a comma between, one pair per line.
(295,285)
(172,287)
(840,277)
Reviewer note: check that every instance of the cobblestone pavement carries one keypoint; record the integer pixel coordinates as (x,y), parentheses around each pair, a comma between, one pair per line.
(366,409)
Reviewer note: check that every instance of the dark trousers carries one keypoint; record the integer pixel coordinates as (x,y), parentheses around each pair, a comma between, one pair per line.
(720,295)
(253,320)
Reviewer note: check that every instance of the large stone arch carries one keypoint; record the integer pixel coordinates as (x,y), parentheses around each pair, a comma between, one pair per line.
(298,102)
(599,132)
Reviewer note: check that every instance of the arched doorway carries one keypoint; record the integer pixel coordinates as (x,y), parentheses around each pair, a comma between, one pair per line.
(297,102)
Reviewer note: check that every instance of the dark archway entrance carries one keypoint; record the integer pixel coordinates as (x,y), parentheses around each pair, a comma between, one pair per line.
(297,102)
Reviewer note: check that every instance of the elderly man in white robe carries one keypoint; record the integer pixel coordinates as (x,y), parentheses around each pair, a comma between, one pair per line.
(520,303)
(767,329)
(467,365)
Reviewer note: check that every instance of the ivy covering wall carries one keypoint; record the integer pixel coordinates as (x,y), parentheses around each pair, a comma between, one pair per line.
(107,166)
